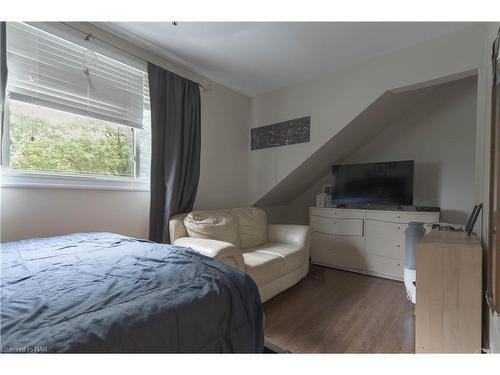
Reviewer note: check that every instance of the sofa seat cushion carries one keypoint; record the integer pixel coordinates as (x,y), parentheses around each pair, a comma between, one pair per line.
(213,225)
(293,255)
(263,267)
(252,226)
(272,260)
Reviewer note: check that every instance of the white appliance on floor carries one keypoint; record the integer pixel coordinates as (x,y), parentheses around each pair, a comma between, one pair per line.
(414,232)
(409,278)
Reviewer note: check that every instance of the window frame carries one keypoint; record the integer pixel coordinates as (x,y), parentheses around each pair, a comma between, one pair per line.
(11,178)
(22,178)
(41,179)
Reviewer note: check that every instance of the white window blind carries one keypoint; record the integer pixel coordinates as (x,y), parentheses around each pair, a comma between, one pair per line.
(53,72)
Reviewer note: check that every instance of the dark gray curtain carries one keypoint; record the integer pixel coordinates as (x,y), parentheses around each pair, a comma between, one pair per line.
(175,152)
(3,75)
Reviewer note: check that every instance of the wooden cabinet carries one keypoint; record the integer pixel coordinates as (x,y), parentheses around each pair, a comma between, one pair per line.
(365,241)
(448,308)
(337,239)
(381,266)
(344,252)
(334,213)
(385,239)
(342,227)
(402,216)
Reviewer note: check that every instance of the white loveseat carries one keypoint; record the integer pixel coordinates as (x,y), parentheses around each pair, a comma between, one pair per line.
(276,256)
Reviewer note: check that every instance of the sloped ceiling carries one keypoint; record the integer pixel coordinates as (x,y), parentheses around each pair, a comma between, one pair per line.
(377,116)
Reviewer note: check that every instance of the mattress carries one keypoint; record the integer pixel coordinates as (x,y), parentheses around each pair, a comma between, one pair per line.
(109,293)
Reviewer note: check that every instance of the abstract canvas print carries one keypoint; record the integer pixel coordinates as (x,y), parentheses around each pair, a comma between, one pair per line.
(281,133)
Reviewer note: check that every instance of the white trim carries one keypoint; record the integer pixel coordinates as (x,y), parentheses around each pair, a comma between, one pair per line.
(11,179)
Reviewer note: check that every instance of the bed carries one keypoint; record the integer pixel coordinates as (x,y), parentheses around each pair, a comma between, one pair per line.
(109,293)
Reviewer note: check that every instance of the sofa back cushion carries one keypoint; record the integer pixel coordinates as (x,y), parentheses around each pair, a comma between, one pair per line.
(252,226)
(213,225)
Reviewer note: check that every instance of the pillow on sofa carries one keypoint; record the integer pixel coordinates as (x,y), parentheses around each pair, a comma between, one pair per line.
(252,226)
(213,225)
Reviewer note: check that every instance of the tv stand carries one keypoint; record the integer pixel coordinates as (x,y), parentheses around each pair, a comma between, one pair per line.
(381,207)
(369,241)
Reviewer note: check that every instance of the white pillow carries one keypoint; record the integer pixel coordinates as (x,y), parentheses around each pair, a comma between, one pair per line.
(252,226)
(213,225)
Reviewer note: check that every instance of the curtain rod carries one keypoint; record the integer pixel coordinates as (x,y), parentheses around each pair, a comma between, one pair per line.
(89,36)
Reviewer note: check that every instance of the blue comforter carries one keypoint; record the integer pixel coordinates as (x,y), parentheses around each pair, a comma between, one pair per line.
(103,292)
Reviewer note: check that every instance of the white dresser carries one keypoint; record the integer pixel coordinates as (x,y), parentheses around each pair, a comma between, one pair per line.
(364,241)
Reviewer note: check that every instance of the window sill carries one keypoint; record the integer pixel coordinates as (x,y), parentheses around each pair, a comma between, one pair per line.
(15,179)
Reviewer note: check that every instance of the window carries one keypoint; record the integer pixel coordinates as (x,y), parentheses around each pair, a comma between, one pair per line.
(75,116)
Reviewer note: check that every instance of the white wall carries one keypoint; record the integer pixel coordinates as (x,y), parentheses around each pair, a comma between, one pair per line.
(30,212)
(33,212)
(439,134)
(224,150)
(333,100)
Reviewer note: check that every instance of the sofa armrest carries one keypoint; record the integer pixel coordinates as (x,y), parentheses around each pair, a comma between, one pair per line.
(220,250)
(292,234)
(176,227)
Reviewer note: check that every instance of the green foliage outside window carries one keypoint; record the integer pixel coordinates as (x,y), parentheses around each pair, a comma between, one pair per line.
(72,144)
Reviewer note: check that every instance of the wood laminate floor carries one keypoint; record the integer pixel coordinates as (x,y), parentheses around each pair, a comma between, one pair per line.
(333,311)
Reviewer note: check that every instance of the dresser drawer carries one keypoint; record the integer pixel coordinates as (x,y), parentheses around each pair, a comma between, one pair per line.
(402,216)
(344,252)
(385,239)
(337,213)
(345,227)
(385,267)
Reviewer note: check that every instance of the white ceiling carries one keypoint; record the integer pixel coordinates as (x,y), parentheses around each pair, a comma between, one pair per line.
(257,57)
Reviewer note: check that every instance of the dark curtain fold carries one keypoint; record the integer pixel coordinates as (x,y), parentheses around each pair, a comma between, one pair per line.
(3,75)
(175,149)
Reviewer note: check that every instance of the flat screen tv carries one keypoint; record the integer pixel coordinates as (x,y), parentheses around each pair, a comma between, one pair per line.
(385,184)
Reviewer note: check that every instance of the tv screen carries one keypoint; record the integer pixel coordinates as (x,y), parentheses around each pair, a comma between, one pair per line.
(388,183)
